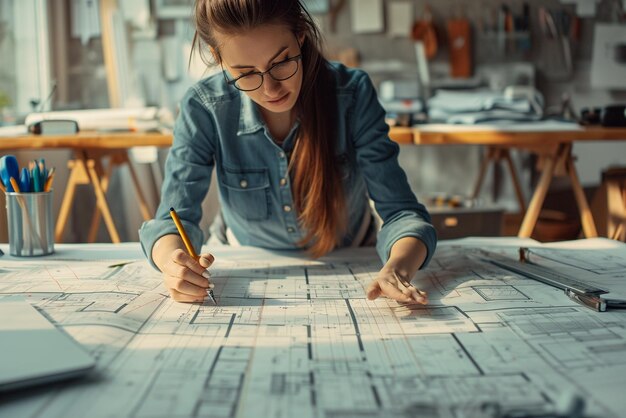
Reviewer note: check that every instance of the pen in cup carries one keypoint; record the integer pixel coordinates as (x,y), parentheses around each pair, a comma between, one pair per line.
(16,187)
(49,179)
(188,245)
(28,207)
(32,232)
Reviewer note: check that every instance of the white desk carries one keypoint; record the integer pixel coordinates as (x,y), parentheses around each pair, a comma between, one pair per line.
(296,338)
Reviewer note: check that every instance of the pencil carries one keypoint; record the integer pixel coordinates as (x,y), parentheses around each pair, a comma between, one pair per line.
(16,187)
(2,188)
(187,242)
(183,234)
(49,180)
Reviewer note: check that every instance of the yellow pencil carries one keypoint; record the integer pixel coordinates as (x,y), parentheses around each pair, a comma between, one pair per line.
(2,188)
(16,187)
(49,180)
(187,241)
(183,234)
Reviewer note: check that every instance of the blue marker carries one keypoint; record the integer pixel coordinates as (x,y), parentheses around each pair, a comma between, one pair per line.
(24,180)
(36,179)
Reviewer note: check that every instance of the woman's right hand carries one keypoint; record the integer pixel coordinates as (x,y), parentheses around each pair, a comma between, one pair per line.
(186,279)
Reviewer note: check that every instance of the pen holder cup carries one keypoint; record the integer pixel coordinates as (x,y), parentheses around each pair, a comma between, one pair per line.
(30,223)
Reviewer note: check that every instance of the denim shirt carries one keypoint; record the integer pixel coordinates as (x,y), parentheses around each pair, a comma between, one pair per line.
(220,126)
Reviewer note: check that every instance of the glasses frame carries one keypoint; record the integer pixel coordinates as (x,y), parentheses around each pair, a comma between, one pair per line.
(233,82)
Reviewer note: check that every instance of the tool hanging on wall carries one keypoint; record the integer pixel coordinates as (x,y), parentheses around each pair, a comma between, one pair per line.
(459,44)
(424,31)
(335,8)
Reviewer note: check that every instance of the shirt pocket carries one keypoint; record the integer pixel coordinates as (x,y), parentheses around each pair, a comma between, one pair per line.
(247,192)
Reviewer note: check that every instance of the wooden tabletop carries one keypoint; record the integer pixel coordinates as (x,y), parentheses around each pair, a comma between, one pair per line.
(426,135)
(475,135)
(95,140)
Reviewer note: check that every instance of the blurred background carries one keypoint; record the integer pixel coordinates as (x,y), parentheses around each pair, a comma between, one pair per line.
(438,61)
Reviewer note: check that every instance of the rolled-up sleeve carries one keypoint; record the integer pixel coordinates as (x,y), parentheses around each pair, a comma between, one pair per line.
(187,176)
(387,185)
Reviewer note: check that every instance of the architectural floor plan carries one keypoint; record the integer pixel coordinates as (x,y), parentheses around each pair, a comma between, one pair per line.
(293,337)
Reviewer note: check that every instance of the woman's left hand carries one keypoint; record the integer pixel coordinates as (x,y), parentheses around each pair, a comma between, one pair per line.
(392,285)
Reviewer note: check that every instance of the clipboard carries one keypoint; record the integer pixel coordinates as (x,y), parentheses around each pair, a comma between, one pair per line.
(575,288)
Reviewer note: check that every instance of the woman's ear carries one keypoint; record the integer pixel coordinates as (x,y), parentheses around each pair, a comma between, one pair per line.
(300,37)
(215,54)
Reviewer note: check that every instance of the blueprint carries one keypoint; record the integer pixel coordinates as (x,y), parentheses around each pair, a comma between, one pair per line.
(294,337)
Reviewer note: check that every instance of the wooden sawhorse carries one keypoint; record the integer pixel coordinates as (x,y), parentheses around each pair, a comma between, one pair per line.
(495,154)
(553,157)
(87,168)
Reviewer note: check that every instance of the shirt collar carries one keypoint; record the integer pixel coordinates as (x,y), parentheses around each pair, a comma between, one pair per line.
(291,137)
(249,117)
(250,120)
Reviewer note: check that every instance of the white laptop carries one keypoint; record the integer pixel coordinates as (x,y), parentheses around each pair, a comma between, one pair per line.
(33,351)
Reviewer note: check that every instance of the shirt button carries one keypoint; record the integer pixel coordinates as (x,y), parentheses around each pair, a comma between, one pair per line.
(281,154)
(243,184)
(287,208)
(283,181)
(290,230)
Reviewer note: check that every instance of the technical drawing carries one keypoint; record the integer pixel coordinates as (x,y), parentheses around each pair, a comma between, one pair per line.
(297,338)
(501,292)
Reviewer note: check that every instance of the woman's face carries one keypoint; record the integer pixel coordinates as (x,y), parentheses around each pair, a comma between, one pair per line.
(257,50)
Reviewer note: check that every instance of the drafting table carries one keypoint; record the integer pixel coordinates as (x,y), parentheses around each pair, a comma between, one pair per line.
(293,337)
(552,144)
(90,150)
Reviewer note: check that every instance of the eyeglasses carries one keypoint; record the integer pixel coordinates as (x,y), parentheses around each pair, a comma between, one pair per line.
(280,71)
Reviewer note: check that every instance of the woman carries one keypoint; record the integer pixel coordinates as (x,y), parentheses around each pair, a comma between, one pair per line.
(299,145)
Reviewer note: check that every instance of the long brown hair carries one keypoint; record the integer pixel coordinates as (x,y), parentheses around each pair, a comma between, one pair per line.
(316,179)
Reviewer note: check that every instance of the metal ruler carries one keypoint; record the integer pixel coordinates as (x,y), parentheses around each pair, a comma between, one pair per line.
(544,275)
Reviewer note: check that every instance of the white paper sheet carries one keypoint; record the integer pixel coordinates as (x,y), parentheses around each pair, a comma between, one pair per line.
(297,337)
(401,17)
(539,126)
(584,8)
(367,16)
(11,131)
(85,16)
(606,71)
